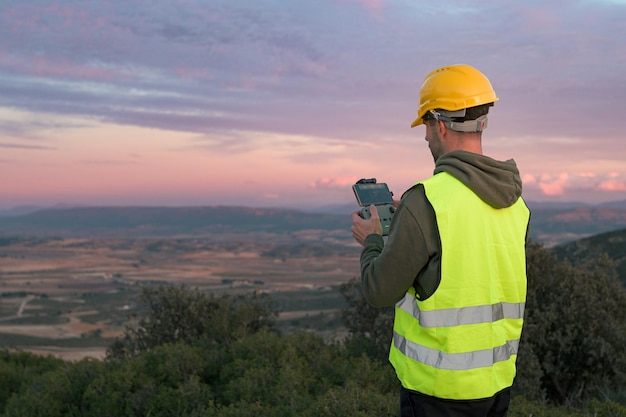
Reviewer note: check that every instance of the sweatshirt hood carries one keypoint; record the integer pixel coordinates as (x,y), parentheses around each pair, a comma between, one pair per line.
(498,183)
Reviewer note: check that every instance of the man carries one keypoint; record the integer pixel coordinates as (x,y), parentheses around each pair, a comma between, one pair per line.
(454,263)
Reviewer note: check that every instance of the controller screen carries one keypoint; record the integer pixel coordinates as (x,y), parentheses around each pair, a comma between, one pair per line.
(373,194)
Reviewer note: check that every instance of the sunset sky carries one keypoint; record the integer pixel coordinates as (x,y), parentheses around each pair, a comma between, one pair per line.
(287,103)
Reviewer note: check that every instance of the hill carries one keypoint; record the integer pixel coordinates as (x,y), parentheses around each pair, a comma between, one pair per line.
(550,225)
(611,243)
(218,222)
(553,226)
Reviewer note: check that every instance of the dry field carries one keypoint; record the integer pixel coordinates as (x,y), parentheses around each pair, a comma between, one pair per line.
(71,297)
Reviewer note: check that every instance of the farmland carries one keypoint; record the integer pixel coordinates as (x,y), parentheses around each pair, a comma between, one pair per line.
(72,296)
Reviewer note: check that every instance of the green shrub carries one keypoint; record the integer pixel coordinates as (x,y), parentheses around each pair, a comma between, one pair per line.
(18,369)
(355,400)
(177,313)
(522,407)
(370,329)
(574,327)
(56,393)
(166,381)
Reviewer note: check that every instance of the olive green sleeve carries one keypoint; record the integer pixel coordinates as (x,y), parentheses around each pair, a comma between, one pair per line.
(389,269)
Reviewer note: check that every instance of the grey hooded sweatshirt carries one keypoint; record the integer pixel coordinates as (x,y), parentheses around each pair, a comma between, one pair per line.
(411,256)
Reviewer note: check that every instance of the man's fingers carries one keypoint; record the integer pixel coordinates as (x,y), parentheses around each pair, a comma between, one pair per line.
(374,212)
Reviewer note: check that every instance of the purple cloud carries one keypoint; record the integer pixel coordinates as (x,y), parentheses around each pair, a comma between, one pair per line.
(345,70)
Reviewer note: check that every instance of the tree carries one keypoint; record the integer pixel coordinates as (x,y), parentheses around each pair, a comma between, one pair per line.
(574,326)
(182,314)
(18,369)
(56,393)
(370,329)
(168,380)
(301,375)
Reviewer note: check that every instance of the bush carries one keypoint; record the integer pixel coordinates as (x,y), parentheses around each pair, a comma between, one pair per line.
(370,329)
(354,400)
(260,374)
(56,393)
(18,369)
(574,327)
(181,314)
(522,407)
(166,381)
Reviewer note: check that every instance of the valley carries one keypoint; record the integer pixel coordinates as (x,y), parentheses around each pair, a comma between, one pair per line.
(71,279)
(71,297)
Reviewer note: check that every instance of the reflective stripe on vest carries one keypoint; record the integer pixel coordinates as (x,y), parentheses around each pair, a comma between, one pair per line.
(462,342)
(455,361)
(464,315)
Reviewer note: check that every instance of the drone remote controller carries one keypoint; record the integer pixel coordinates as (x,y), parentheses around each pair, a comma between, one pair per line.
(368,192)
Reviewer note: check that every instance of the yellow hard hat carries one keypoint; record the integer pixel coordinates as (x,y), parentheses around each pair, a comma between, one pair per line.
(453,88)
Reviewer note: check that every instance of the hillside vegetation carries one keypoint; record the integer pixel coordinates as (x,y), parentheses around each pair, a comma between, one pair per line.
(612,244)
(193,354)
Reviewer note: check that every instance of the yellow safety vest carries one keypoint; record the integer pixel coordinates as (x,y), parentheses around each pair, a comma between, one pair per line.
(461,343)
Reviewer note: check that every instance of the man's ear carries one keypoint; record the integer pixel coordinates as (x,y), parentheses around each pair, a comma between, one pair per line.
(441,126)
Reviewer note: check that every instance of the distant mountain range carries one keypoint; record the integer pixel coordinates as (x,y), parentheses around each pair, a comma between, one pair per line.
(611,243)
(138,222)
(574,205)
(551,224)
(336,208)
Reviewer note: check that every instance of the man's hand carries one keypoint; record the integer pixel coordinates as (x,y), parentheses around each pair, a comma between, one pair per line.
(362,228)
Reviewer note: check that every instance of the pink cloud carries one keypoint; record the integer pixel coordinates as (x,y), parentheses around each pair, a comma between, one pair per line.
(331,183)
(612,185)
(552,189)
(587,174)
(553,186)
